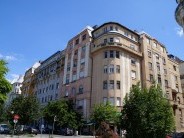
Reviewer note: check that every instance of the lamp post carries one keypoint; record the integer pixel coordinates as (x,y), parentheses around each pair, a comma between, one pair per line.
(53,125)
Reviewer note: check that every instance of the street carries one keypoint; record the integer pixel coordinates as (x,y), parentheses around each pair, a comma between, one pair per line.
(44,136)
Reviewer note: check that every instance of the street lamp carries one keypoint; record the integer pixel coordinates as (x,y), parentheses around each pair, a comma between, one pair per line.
(55,117)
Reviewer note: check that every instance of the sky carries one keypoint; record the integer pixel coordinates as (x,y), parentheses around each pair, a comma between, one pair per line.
(33,30)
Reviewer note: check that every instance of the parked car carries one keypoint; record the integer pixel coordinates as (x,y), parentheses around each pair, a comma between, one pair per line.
(66,131)
(30,130)
(4,129)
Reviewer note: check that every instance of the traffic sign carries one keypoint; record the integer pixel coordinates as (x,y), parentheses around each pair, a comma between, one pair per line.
(15,121)
(16,117)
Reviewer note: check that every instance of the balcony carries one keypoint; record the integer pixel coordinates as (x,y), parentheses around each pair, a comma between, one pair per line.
(179,14)
(125,47)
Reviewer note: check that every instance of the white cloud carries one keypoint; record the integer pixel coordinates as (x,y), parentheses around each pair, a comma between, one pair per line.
(180,32)
(10,58)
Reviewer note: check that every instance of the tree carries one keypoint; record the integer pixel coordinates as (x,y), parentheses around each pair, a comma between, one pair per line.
(105,113)
(5,86)
(146,113)
(64,112)
(26,107)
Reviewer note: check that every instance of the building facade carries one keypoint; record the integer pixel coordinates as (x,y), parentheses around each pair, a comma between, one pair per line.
(28,83)
(116,63)
(77,72)
(16,89)
(181,68)
(102,63)
(48,77)
(121,58)
(179,13)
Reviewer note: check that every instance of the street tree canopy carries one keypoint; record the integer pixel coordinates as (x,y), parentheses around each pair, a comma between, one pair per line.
(5,86)
(105,113)
(147,114)
(26,107)
(64,112)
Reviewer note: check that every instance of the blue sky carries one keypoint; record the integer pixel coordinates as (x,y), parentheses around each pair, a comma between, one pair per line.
(32,30)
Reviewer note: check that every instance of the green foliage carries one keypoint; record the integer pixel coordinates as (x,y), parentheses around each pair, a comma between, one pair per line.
(146,113)
(65,113)
(26,107)
(105,113)
(5,86)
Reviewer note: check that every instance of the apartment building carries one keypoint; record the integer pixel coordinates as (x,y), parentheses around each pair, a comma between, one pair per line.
(116,63)
(77,72)
(122,57)
(48,77)
(179,13)
(16,89)
(28,83)
(101,64)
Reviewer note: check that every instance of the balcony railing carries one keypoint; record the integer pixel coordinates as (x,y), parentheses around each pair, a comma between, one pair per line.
(119,45)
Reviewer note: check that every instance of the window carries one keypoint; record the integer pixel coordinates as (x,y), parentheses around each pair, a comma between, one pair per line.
(105,29)
(126,33)
(67,80)
(80,89)
(166,83)
(133,74)
(133,61)
(76,52)
(117,68)
(116,28)
(176,78)
(111,68)
(84,37)
(74,76)
(111,84)
(106,54)
(118,101)
(111,40)
(68,68)
(118,84)
(163,60)
(105,84)
(105,40)
(150,65)
(83,48)
(57,85)
(77,41)
(111,54)
(148,41)
(159,79)
(149,53)
(158,66)
(111,100)
(73,91)
(154,44)
(105,69)
(174,67)
(105,100)
(75,63)
(165,71)
(81,74)
(157,56)
(111,28)
(151,77)
(117,54)
(132,47)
